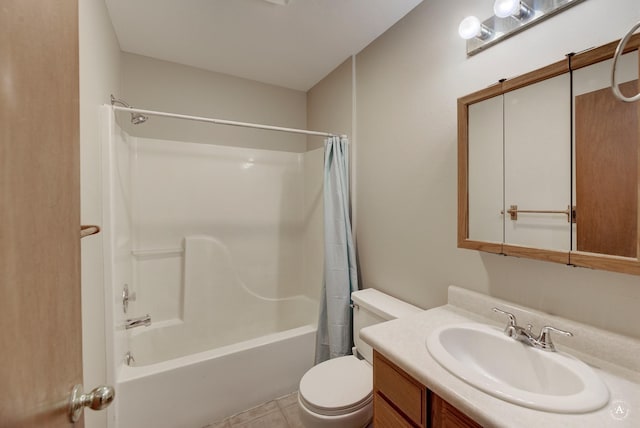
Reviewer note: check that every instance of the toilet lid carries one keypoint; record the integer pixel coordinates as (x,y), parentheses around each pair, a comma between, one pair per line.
(337,386)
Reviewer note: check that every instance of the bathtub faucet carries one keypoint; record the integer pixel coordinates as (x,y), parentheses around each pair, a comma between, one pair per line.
(138,322)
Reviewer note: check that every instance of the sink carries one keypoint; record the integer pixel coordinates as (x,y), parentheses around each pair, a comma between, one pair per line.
(487,359)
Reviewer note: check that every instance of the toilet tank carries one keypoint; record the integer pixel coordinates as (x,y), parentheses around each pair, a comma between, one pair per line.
(373,307)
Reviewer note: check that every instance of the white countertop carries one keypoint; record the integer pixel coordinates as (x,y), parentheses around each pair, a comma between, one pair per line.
(403,342)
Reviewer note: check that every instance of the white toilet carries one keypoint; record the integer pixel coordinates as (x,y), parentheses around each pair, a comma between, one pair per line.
(339,392)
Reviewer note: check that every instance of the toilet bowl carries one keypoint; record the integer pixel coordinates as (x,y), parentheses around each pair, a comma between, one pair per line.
(338,393)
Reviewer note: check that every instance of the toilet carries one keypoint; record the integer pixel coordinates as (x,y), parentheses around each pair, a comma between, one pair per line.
(339,392)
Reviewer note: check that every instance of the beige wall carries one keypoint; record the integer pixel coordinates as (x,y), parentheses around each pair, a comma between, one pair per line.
(407,83)
(99,77)
(165,86)
(329,104)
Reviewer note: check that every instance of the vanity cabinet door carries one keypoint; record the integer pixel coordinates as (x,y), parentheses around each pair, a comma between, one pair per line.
(400,401)
(397,396)
(444,415)
(386,416)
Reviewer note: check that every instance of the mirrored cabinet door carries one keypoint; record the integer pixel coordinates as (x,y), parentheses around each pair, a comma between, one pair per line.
(485,170)
(549,163)
(606,137)
(537,165)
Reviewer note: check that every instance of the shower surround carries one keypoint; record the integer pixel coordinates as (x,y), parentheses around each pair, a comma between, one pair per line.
(222,248)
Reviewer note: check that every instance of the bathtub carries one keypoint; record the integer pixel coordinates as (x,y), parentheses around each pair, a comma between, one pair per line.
(230,350)
(195,390)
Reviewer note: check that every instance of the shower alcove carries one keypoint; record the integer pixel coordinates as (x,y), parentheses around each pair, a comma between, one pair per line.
(221,244)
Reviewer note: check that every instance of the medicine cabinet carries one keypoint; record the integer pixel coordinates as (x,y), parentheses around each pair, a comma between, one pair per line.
(548,164)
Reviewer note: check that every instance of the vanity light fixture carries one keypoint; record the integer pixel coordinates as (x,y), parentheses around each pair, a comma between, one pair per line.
(515,8)
(511,17)
(471,27)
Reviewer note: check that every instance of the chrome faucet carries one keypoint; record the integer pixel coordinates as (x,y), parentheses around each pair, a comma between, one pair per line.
(137,322)
(526,336)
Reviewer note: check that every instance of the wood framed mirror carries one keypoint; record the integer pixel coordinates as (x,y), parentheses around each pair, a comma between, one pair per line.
(548,164)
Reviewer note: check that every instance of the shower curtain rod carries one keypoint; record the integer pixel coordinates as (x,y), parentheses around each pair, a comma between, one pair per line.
(227,122)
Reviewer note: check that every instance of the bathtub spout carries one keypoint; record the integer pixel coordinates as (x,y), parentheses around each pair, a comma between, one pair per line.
(137,322)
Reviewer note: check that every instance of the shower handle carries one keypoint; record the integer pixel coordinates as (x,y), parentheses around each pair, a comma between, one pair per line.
(127,297)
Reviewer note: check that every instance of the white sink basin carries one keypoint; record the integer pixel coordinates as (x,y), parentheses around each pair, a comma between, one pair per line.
(486,358)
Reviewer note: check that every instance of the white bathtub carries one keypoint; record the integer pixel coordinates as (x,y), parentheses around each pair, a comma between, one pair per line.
(198,389)
(232,349)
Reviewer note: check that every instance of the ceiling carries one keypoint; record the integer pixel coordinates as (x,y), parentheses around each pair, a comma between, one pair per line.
(290,43)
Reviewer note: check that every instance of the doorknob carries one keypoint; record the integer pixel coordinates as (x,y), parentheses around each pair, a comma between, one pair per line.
(97,399)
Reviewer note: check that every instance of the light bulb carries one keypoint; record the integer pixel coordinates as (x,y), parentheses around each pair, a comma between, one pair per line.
(469,28)
(504,8)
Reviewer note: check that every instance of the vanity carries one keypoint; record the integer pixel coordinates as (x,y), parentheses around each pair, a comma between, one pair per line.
(401,401)
(412,389)
(548,169)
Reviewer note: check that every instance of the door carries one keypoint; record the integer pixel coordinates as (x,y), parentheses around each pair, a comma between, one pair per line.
(40,318)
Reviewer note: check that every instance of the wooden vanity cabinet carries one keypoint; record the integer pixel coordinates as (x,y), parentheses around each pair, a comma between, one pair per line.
(400,401)
(444,415)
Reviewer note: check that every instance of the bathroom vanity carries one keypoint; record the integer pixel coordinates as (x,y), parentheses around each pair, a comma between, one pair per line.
(401,401)
(411,388)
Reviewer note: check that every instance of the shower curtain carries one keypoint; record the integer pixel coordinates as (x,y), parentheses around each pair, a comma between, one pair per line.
(334,337)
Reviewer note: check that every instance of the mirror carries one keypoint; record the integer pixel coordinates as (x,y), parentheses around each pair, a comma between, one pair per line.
(606,156)
(606,159)
(548,164)
(486,170)
(537,164)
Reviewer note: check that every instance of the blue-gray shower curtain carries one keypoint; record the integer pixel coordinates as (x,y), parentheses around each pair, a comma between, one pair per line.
(334,337)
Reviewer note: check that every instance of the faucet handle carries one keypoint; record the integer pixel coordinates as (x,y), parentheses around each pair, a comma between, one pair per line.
(512,318)
(544,340)
(127,297)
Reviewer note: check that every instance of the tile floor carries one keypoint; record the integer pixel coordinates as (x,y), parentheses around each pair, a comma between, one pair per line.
(279,413)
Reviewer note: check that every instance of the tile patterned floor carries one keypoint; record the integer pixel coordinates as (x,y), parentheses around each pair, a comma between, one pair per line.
(280,413)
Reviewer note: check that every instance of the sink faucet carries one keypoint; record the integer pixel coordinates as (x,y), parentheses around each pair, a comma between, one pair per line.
(137,322)
(526,336)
